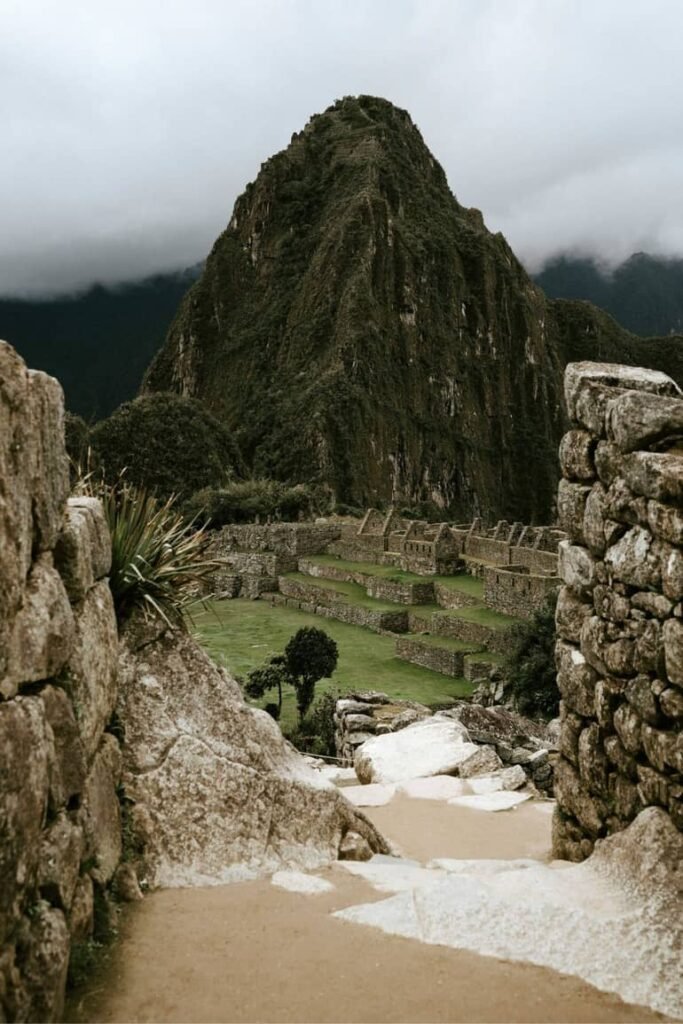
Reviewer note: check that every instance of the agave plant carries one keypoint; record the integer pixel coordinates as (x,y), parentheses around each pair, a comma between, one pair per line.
(159,559)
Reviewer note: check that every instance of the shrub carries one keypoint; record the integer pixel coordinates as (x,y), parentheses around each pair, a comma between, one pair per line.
(531,665)
(165,443)
(243,501)
(76,439)
(158,559)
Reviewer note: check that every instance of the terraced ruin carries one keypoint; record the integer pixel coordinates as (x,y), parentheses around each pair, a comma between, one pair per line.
(448,596)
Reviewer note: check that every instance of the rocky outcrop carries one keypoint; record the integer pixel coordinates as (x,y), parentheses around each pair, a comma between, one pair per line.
(212,790)
(619,614)
(360,715)
(60,831)
(360,327)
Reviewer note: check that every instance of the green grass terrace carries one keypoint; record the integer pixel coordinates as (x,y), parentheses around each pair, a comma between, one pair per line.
(241,635)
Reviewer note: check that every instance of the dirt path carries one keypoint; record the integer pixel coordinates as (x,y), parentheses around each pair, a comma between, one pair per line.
(251,952)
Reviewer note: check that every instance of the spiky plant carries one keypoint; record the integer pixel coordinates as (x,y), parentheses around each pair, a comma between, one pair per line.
(159,560)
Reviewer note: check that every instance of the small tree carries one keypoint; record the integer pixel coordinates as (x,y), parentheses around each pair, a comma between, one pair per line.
(309,656)
(531,665)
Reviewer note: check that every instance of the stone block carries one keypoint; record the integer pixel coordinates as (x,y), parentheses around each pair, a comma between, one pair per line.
(594,518)
(614,375)
(673,650)
(576,679)
(593,765)
(608,460)
(569,842)
(61,849)
(628,723)
(611,605)
(25,756)
(576,455)
(101,814)
(637,420)
(42,635)
(50,483)
(570,613)
(575,566)
(571,504)
(672,572)
(91,675)
(653,604)
(671,702)
(482,762)
(624,507)
(653,787)
(624,797)
(640,696)
(83,551)
(67,768)
(635,559)
(657,475)
(649,648)
(625,763)
(665,522)
(45,959)
(572,796)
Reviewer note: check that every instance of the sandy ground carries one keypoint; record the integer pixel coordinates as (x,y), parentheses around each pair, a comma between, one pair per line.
(251,952)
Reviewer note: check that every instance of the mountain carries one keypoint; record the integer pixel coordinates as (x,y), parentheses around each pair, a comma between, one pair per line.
(355,325)
(97,343)
(644,294)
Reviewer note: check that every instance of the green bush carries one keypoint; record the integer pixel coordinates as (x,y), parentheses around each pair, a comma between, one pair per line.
(315,734)
(243,501)
(167,444)
(531,665)
(77,440)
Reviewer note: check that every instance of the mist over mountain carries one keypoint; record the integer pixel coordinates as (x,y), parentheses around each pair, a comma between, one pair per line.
(97,343)
(644,293)
(355,325)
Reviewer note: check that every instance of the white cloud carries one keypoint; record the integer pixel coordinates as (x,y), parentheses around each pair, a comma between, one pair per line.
(129,128)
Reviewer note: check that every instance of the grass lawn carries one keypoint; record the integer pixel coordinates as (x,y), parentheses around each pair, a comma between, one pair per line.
(242,634)
(387,572)
(352,593)
(486,617)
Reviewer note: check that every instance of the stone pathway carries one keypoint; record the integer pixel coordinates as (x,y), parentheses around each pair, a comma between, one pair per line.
(293,949)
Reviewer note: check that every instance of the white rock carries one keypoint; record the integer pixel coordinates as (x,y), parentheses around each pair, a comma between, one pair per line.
(594,920)
(335,774)
(500,801)
(480,867)
(507,779)
(437,787)
(393,874)
(435,746)
(298,881)
(374,795)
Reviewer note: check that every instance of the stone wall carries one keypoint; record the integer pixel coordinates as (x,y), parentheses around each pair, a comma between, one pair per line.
(500,641)
(446,660)
(60,827)
(316,602)
(620,612)
(378,587)
(515,591)
(287,539)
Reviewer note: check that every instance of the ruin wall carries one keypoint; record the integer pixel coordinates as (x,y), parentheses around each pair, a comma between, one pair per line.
(515,591)
(620,612)
(60,763)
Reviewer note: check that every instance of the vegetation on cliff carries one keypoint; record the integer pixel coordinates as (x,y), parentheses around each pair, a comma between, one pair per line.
(355,325)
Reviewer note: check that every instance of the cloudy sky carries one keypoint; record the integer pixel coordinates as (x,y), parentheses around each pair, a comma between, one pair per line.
(130,126)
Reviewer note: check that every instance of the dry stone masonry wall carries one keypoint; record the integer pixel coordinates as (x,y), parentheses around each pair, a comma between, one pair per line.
(620,612)
(60,827)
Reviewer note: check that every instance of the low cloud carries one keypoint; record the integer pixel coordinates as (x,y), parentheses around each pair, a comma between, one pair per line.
(130,128)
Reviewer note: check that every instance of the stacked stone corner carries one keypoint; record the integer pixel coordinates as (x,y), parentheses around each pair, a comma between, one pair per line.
(60,826)
(619,649)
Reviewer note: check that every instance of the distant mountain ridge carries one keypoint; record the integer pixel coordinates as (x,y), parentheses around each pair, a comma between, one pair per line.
(644,293)
(99,342)
(356,326)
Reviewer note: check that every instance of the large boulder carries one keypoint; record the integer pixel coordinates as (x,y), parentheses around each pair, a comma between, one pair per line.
(213,790)
(436,746)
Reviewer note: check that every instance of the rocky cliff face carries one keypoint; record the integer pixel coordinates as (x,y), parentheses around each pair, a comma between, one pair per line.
(356,325)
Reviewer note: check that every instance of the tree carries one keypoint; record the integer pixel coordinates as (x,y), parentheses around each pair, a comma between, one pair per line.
(310,655)
(531,664)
